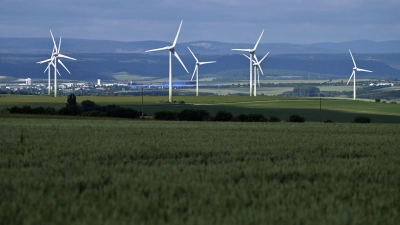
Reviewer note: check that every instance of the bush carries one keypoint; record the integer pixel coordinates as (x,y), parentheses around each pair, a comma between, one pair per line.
(242,118)
(26,109)
(94,113)
(377,100)
(71,110)
(165,115)
(121,112)
(296,119)
(88,103)
(49,111)
(193,115)
(14,110)
(256,117)
(274,119)
(328,121)
(38,110)
(362,119)
(223,116)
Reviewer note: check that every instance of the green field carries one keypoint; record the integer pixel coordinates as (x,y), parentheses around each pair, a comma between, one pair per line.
(338,110)
(63,171)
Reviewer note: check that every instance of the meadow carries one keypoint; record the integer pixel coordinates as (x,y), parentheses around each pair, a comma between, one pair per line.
(338,110)
(66,171)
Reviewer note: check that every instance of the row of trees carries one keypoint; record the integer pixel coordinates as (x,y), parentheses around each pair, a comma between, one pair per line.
(90,108)
(86,108)
(222,116)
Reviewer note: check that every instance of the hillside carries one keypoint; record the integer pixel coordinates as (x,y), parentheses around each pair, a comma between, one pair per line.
(103,65)
(44,45)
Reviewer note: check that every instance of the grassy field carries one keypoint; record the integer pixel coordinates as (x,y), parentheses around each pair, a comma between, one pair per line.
(338,110)
(63,171)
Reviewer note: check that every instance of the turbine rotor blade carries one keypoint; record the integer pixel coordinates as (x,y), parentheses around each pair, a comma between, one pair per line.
(194,72)
(177,34)
(62,64)
(66,57)
(255,57)
(255,47)
(241,50)
(54,42)
(354,62)
(177,56)
(59,46)
(193,54)
(358,69)
(352,74)
(249,58)
(265,56)
(48,66)
(259,67)
(47,60)
(159,49)
(203,63)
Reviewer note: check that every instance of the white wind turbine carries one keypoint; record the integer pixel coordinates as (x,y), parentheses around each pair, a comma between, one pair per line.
(252,52)
(196,70)
(48,69)
(55,58)
(355,68)
(171,52)
(257,69)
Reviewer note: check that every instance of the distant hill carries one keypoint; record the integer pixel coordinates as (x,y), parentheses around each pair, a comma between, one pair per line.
(44,46)
(91,66)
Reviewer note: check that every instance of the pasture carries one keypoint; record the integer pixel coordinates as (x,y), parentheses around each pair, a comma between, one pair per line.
(338,110)
(63,171)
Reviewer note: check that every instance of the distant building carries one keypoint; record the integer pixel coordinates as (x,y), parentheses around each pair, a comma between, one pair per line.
(28,81)
(381,84)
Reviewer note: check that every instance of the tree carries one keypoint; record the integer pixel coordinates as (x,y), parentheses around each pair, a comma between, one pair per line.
(296,119)
(71,107)
(71,100)
(223,116)
(362,119)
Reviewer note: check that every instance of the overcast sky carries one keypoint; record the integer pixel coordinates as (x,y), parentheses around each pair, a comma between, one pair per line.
(289,21)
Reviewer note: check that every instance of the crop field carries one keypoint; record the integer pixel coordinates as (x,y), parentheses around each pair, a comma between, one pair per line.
(338,110)
(241,90)
(65,171)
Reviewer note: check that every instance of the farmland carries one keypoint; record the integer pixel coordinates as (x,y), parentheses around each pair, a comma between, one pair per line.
(338,110)
(64,171)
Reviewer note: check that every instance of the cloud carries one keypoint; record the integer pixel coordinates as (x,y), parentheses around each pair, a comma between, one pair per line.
(296,21)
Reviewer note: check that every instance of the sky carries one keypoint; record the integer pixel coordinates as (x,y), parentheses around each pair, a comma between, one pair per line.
(235,21)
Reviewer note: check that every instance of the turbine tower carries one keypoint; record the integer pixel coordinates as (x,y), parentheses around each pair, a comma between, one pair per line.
(196,70)
(257,69)
(252,52)
(171,52)
(355,68)
(48,69)
(55,58)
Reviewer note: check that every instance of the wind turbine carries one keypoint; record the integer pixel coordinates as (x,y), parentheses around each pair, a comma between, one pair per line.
(257,69)
(55,58)
(171,52)
(196,70)
(252,52)
(355,68)
(48,69)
